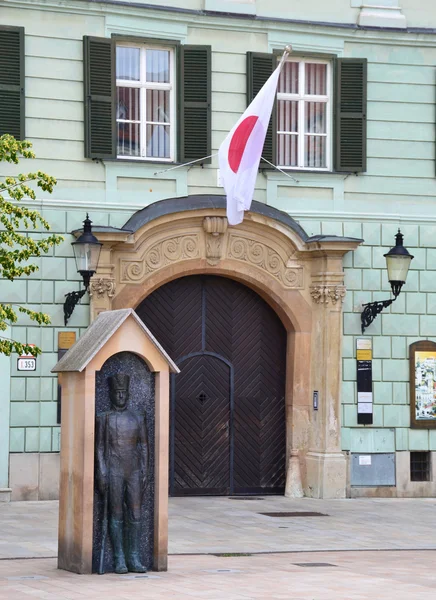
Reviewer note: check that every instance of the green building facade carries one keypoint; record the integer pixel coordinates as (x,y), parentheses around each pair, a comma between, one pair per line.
(392,183)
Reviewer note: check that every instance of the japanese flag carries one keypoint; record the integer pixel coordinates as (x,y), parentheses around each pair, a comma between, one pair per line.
(239,154)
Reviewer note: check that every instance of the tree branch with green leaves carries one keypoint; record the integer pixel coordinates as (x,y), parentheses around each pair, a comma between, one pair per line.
(17,246)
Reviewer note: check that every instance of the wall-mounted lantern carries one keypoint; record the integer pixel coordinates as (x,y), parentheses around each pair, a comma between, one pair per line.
(86,254)
(398,262)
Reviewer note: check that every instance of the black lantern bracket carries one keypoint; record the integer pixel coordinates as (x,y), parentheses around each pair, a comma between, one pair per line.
(86,253)
(371,310)
(398,256)
(71,299)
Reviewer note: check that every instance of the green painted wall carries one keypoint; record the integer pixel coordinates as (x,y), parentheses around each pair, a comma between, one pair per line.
(399,187)
(5,378)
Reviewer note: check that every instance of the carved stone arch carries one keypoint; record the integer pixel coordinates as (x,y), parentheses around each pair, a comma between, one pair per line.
(301,277)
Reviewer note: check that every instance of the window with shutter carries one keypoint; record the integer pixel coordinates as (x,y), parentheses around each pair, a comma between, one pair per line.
(194,103)
(259,68)
(303,135)
(145,101)
(99,86)
(304,115)
(350,125)
(12,116)
(131,105)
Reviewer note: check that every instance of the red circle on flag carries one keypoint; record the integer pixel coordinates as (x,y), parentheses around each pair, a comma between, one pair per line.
(239,141)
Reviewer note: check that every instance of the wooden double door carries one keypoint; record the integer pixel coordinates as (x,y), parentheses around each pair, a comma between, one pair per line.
(228,425)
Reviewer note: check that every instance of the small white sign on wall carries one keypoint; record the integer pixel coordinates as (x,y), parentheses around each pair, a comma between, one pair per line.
(218,178)
(364,461)
(26,362)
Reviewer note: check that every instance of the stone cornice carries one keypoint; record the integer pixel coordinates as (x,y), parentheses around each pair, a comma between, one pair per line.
(110,238)
(204,19)
(332,247)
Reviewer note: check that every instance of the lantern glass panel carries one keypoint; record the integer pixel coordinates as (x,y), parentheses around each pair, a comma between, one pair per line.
(398,267)
(86,256)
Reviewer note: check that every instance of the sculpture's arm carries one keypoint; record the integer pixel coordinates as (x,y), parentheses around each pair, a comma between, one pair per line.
(101,468)
(144,449)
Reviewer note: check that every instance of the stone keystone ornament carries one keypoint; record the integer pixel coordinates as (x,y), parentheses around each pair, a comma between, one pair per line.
(113,497)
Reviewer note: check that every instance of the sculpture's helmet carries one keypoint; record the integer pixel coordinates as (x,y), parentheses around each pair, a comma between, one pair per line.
(120,381)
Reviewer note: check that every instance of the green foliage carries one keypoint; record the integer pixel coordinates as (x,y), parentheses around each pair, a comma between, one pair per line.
(17,246)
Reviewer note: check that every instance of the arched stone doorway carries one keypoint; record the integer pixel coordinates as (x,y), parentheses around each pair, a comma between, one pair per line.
(300,277)
(228,433)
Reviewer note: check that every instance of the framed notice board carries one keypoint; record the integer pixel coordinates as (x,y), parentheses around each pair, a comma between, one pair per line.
(422,361)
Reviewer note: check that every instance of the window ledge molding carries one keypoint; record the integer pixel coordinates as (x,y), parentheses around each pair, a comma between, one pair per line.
(277,181)
(158,30)
(141,39)
(154,187)
(325,45)
(237,8)
(304,176)
(142,161)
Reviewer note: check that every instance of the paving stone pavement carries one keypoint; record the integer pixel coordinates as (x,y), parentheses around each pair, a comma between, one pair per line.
(216,524)
(386,575)
(374,549)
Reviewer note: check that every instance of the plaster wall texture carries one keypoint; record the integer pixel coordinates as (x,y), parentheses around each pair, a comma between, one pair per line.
(398,188)
(389,13)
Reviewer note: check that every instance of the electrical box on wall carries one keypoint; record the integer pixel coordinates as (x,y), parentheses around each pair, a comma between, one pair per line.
(373,470)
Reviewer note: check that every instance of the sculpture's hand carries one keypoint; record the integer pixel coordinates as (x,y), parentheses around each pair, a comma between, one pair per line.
(144,484)
(102,483)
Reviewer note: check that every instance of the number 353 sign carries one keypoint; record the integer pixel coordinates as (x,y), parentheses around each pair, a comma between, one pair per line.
(26,362)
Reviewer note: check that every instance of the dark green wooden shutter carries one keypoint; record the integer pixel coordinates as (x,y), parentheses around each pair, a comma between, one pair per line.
(100,91)
(350,114)
(12,97)
(195,73)
(259,67)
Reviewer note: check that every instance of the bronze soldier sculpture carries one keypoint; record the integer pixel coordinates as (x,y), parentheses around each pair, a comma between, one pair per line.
(121,475)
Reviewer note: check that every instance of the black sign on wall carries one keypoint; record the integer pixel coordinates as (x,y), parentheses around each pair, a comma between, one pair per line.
(364,382)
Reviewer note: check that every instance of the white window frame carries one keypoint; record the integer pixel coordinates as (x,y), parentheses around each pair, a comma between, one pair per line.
(144,85)
(301,98)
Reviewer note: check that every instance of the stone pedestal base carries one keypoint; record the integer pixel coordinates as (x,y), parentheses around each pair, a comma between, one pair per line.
(294,488)
(5,494)
(34,476)
(326,475)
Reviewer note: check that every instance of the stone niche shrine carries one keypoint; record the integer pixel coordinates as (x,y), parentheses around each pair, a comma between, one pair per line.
(113,505)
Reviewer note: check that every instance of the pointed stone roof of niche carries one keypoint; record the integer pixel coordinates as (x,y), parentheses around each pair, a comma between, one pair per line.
(96,336)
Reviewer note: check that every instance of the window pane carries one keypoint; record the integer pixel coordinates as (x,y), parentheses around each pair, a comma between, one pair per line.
(129,139)
(287,115)
(316,79)
(315,151)
(315,117)
(287,150)
(128,104)
(288,80)
(158,106)
(158,141)
(127,63)
(158,66)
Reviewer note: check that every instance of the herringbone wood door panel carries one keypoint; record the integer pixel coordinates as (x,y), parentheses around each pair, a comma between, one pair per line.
(228,432)
(201,427)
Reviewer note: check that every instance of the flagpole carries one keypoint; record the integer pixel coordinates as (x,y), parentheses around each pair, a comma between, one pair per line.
(240,152)
(286,52)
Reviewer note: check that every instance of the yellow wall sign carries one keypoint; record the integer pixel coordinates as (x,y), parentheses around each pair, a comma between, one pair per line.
(66,339)
(364,354)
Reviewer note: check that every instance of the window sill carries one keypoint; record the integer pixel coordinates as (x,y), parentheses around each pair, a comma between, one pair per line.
(142,161)
(151,163)
(270,171)
(143,182)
